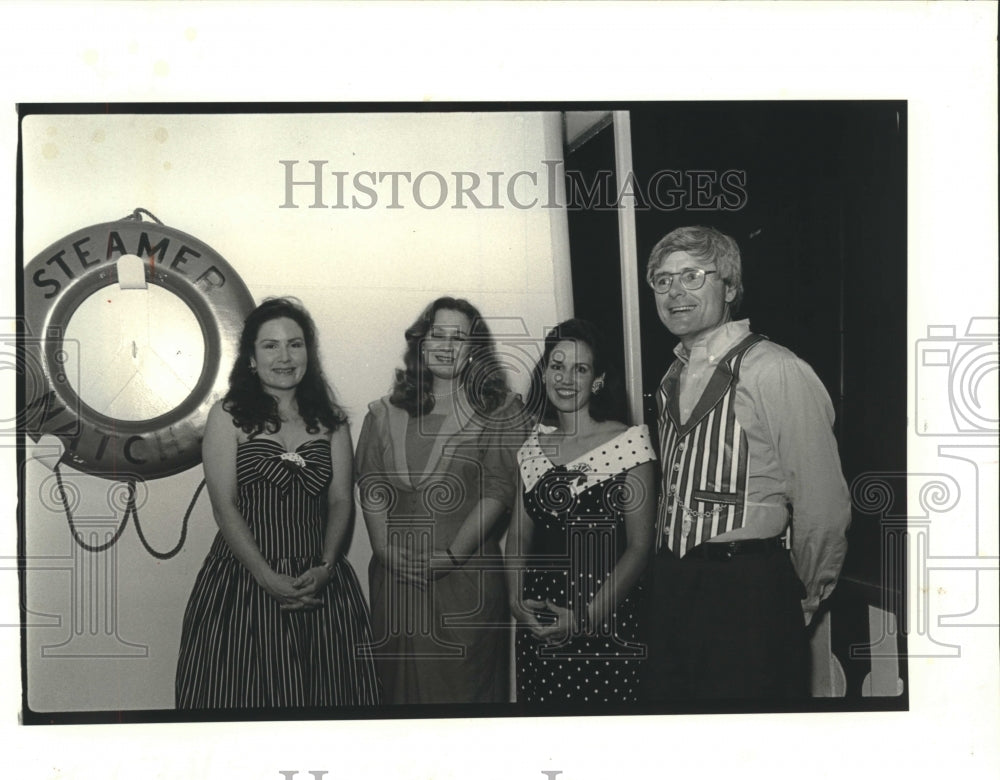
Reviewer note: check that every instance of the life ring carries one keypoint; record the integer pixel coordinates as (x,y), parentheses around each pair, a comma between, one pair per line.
(59,279)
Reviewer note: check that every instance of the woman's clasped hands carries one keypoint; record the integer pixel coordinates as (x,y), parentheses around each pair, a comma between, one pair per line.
(416,565)
(297,593)
(547,621)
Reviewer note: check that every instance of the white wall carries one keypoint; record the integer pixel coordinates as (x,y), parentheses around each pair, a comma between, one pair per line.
(363,274)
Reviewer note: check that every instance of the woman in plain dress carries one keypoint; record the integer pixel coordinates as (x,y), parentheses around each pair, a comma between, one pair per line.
(436,473)
(581,533)
(276,617)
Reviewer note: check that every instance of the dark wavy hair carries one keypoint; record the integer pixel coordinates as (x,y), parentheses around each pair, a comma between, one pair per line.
(254,410)
(609,403)
(482,377)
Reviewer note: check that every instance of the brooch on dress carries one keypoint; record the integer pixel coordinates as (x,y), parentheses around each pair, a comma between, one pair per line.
(293,460)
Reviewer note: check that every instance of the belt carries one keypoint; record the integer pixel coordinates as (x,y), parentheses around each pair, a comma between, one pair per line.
(724,551)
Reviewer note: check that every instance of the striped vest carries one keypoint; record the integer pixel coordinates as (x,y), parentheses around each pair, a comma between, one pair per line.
(705,460)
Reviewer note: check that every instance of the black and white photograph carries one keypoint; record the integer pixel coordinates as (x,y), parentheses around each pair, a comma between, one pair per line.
(528,421)
(455,319)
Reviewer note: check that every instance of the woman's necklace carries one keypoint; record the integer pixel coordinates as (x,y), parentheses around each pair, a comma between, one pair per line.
(447,399)
(447,394)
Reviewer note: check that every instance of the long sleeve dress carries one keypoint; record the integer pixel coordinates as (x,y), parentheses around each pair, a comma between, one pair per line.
(238,648)
(577,513)
(449,641)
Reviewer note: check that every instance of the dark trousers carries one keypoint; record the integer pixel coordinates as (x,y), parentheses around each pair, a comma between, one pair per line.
(726,628)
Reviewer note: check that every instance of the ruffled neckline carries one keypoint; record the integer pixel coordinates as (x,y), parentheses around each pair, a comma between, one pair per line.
(621,452)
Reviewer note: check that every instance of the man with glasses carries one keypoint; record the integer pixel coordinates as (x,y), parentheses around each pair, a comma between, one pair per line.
(754,508)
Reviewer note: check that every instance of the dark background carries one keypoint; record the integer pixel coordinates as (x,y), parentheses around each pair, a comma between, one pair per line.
(822,232)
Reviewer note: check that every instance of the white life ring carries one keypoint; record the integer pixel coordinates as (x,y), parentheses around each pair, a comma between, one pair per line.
(59,279)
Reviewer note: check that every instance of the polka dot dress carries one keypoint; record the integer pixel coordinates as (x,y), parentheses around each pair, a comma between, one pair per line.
(579,534)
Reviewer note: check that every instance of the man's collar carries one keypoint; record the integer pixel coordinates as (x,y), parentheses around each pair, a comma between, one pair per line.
(717,341)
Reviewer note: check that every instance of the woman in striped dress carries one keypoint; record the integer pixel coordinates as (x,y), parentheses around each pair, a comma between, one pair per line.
(276,617)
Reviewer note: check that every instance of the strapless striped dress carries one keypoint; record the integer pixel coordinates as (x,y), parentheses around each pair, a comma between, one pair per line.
(238,648)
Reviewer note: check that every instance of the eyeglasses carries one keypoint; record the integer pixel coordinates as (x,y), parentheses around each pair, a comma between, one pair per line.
(691,279)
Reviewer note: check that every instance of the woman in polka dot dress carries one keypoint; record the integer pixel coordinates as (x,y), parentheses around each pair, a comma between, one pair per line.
(581,534)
